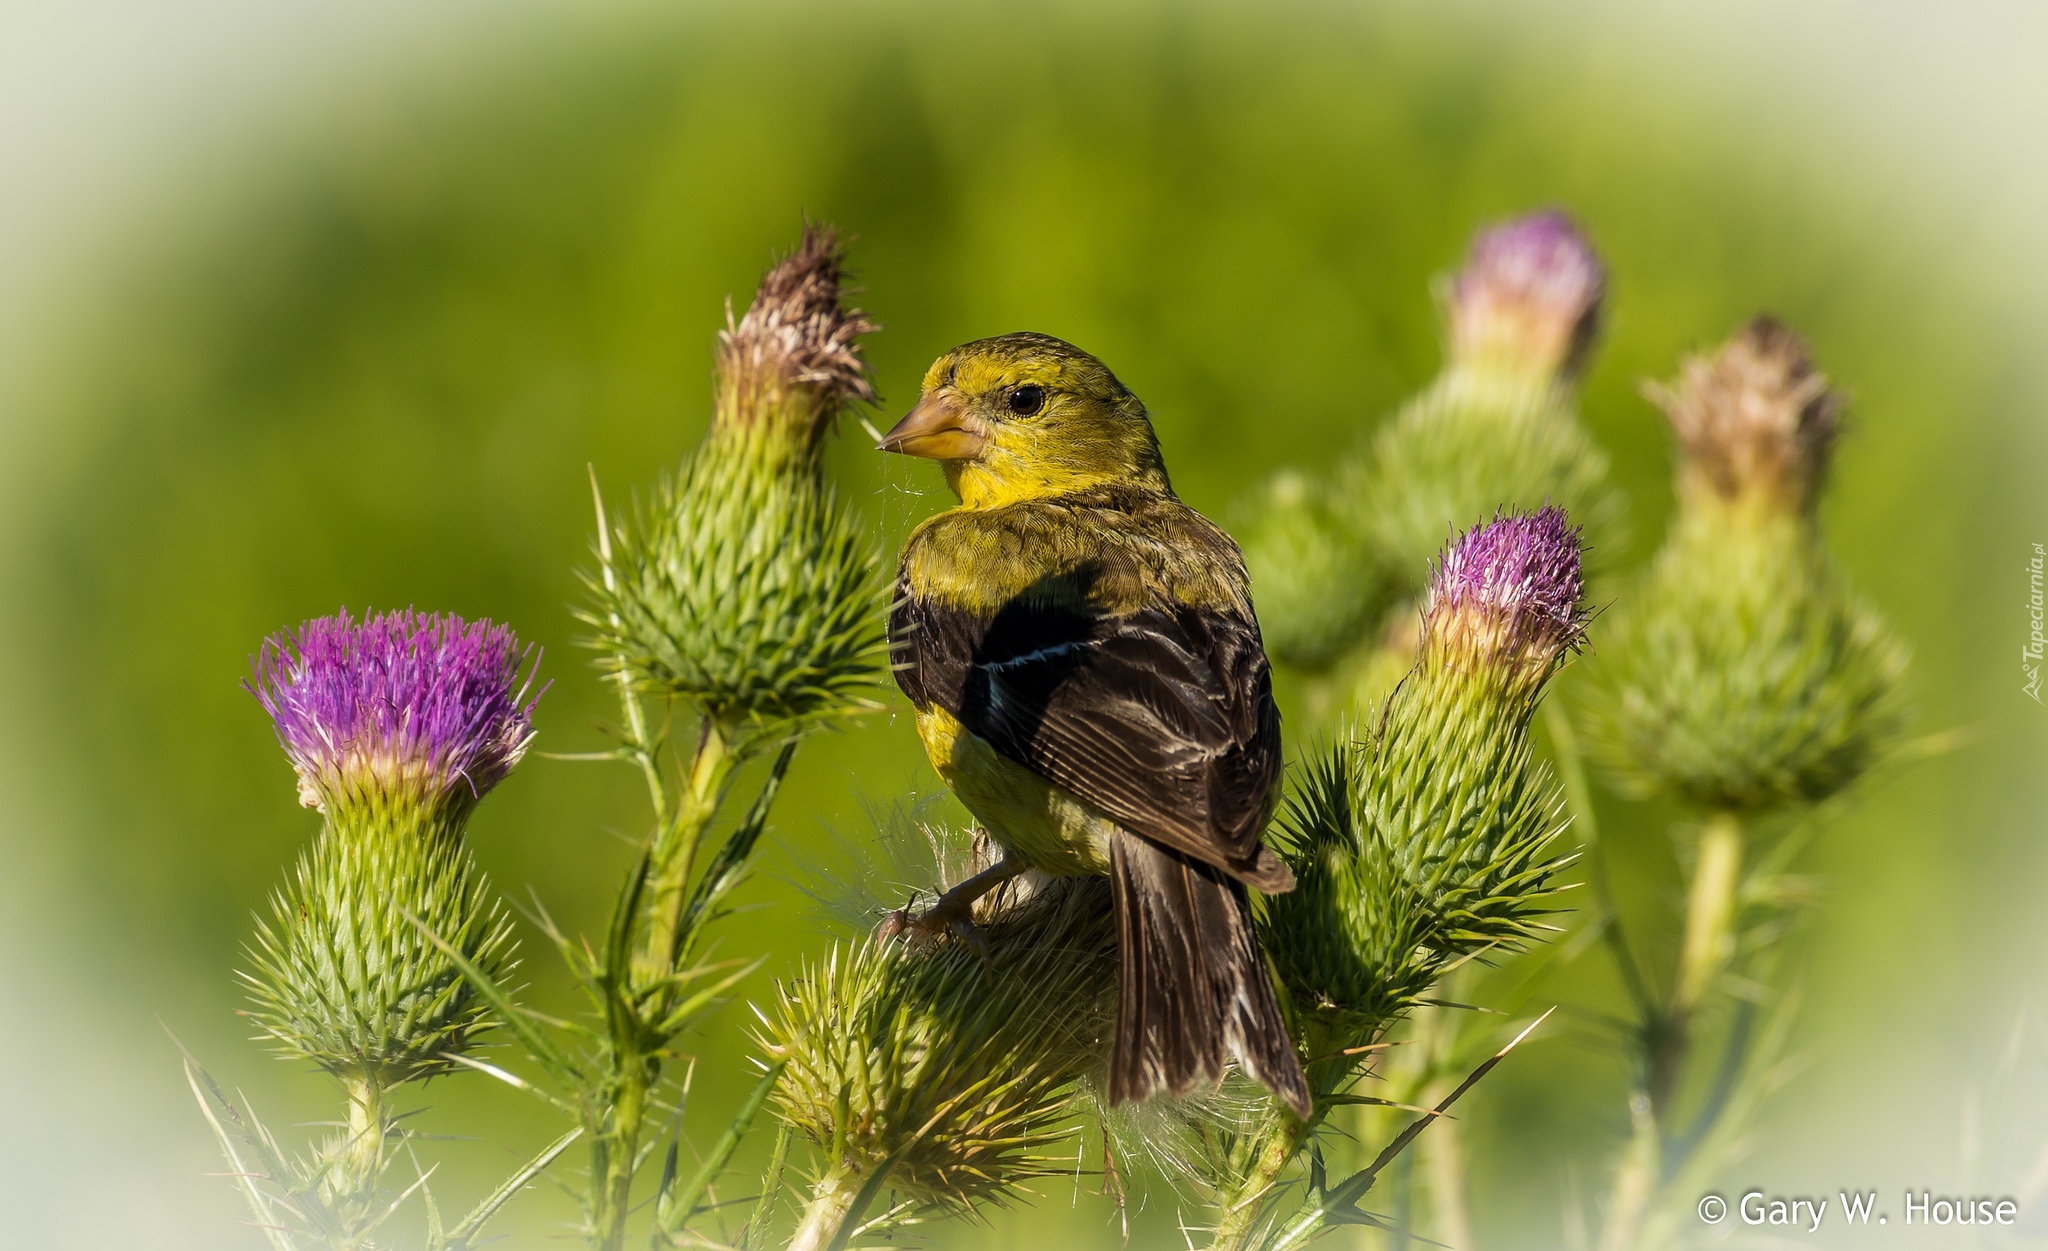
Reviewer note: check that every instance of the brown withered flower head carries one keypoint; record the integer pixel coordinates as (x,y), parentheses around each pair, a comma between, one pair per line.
(790,365)
(1754,418)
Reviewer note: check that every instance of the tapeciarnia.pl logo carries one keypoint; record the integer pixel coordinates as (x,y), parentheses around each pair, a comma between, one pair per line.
(2030,655)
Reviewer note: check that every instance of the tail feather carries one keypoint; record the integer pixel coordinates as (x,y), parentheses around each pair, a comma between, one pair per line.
(1192,988)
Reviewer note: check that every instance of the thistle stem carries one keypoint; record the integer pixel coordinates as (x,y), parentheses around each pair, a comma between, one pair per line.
(361,1162)
(830,1212)
(771,1190)
(1443,1159)
(677,843)
(1236,1223)
(1635,1180)
(616,1153)
(1709,942)
(1708,945)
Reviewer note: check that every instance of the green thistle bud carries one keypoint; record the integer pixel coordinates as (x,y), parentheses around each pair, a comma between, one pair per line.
(1745,673)
(1498,427)
(744,587)
(1429,841)
(942,1070)
(397,726)
(1319,583)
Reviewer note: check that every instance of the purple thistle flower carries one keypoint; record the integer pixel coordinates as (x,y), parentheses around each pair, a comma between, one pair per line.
(1509,590)
(403,704)
(1530,292)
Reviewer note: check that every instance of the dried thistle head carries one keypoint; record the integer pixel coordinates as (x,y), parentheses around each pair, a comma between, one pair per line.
(1754,419)
(1528,299)
(1505,599)
(953,1069)
(792,363)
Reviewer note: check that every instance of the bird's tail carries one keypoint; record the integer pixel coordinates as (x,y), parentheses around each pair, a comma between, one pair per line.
(1193,989)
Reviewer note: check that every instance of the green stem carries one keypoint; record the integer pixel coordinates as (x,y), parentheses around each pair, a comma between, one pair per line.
(1238,1220)
(1443,1159)
(1708,945)
(615,1154)
(1709,942)
(830,1211)
(678,842)
(361,1163)
(1635,1179)
(771,1190)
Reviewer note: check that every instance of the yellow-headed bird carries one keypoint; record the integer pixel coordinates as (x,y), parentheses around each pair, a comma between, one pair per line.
(1088,677)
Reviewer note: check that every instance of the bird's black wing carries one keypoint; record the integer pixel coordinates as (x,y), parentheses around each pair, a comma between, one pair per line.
(1162,719)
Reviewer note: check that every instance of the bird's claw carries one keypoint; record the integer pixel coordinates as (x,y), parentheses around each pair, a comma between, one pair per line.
(934,923)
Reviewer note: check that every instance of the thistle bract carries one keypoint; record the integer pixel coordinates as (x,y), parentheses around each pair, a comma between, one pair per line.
(1744,672)
(1429,840)
(744,587)
(400,709)
(397,725)
(343,974)
(950,1067)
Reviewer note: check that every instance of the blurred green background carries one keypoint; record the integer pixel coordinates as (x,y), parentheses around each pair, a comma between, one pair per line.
(362,355)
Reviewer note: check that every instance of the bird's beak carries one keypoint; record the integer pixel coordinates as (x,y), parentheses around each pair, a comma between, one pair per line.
(936,428)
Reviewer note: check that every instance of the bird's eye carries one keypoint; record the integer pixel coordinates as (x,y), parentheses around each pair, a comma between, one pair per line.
(1026,400)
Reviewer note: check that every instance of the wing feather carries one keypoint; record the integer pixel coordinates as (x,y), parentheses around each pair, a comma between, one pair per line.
(1162,719)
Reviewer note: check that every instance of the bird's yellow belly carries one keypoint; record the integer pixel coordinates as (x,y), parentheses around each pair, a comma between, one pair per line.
(1046,825)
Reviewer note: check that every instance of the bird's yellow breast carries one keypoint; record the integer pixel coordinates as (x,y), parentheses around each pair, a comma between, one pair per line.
(1045,824)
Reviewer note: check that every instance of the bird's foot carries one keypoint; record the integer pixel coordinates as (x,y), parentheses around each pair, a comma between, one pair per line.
(949,917)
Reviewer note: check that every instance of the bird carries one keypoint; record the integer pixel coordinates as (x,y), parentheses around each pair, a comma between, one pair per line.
(1088,677)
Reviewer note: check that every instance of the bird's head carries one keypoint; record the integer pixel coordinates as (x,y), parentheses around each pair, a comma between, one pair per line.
(1027,416)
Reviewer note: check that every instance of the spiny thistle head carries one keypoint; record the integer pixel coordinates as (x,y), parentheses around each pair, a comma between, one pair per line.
(1505,598)
(744,587)
(397,709)
(1428,841)
(792,363)
(397,724)
(342,973)
(958,1066)
(1497,428)
(1423,845)
(1753,419)
(1744,673)
(1528,299)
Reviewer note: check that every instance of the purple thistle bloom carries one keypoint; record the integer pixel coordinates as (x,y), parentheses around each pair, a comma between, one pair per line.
(1510,589)
(1531,291)
(403,704)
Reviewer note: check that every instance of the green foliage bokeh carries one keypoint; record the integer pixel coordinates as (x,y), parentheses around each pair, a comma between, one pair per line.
(366,362)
